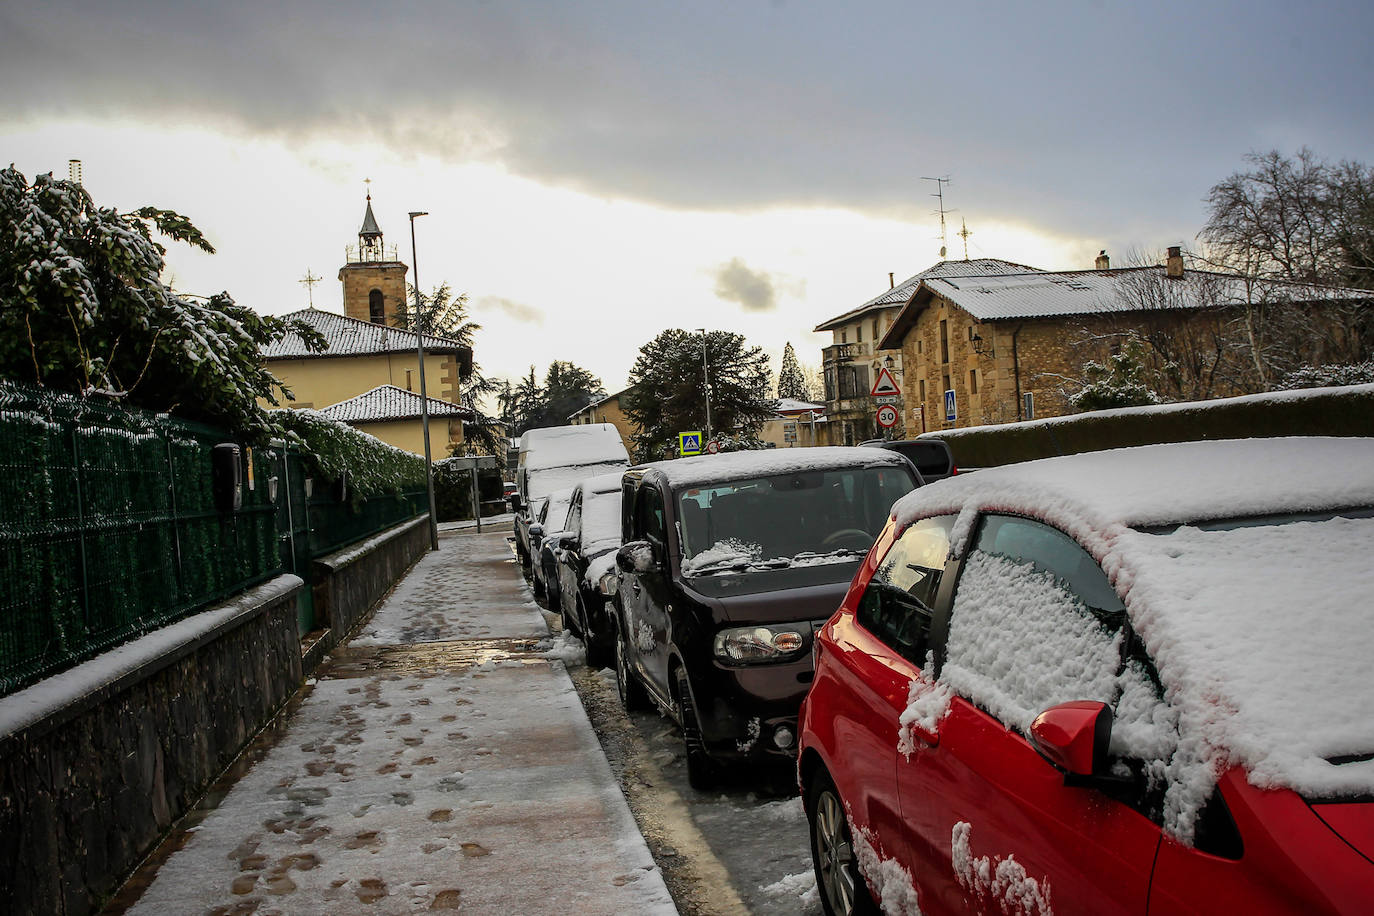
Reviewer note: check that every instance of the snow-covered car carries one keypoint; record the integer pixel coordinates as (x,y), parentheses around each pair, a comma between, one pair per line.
(1122,682)
(729,564)
(548,523)
(586,572)
(554,458)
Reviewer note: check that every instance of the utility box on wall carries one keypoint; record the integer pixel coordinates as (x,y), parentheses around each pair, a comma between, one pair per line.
(226,460)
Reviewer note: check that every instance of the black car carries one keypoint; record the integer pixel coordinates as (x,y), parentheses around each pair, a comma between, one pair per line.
(729,565)
(548,522)
(586,573)
(931,457)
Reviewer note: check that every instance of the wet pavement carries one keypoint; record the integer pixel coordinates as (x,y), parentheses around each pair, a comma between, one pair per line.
(439,761)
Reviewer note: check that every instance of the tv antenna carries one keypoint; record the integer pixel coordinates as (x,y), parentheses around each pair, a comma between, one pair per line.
(940,193)
(309,282)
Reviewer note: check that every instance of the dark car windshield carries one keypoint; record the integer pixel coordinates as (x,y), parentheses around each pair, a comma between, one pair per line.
(786,521)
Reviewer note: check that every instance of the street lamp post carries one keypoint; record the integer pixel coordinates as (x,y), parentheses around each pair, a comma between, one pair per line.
(424,397)
(706,379)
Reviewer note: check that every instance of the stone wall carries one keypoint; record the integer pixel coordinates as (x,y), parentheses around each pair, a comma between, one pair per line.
(96,763)
(348,583)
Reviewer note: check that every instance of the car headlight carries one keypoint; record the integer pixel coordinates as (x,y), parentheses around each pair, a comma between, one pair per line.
(609,583)
(771,643)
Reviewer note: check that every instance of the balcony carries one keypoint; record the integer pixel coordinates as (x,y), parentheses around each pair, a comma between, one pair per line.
(839,353)
(370,254)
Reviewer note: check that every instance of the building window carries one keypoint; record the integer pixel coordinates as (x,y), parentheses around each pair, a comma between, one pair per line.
(376,312)
(408,382)
(875,330)
(844,336)
(944,345)
(973,381)
(859,333)
(923,391)
(920,346)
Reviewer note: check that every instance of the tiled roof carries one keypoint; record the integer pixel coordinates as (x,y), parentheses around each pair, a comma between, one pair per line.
(387,402)
(351,337)
(1090,292)
(899,294)
(1093,292)
(790,405)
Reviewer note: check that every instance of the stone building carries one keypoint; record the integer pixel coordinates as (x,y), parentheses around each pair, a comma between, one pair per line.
(370,369)
(1005,346)
(857,352)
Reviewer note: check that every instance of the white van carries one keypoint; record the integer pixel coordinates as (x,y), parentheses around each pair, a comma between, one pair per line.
(556,457)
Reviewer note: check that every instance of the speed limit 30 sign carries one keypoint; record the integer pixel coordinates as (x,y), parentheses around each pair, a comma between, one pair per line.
(887,416)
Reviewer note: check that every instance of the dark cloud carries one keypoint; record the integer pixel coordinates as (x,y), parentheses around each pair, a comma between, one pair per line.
(1078,117)
(517,310)
(753,289)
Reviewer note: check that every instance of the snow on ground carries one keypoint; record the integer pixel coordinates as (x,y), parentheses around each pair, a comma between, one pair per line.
(451,594)
(431,785)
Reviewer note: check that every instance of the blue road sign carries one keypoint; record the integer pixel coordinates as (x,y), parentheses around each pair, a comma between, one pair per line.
(689,443)
(951,411)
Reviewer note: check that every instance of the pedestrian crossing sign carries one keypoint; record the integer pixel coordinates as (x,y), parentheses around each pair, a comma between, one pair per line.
(689,443)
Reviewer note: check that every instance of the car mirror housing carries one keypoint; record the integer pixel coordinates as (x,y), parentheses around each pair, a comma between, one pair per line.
(516,503)
(567,542)
(1074,737)
(536,530)
(635,557)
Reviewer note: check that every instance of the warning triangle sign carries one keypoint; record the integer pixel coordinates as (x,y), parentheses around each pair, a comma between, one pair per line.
(884,384)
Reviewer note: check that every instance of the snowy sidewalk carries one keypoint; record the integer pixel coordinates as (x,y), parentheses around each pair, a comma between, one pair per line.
(439,762)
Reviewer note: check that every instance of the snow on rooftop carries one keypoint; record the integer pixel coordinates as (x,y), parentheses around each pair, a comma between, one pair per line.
(899,294)
(566,446)
(388,402)
(351,337)
(705,469)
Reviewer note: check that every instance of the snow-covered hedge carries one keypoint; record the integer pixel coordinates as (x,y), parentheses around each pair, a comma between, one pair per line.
(1342,411)
(332,448)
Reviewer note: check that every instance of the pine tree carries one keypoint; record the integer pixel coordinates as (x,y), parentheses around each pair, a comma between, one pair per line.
(791,381)
(1119,382)
(667,391)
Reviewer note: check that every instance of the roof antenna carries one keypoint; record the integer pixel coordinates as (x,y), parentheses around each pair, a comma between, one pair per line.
(940,193)
(964,234)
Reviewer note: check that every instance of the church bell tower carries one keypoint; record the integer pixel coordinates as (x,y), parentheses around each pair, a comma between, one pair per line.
(374,280)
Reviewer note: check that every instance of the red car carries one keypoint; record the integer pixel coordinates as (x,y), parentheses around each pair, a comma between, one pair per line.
(1133,681)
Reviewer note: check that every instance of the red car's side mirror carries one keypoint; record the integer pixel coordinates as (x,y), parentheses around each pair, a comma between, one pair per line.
(1074,737)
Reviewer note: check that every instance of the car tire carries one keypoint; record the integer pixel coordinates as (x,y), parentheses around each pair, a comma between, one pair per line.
(701,769)
(552,596)
(572,622)
(537,585)
(632,695)
(599,655)
(842,888)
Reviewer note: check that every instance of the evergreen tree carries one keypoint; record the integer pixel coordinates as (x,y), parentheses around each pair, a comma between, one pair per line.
(791,380)
(83,308)
(567,389)
(667,391)
(1119,382)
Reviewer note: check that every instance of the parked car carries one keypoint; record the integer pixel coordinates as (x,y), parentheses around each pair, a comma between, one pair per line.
(585,572)
(557,457)
(1116,682)
(931,457)
(543,532)
(730,563)
(509,489)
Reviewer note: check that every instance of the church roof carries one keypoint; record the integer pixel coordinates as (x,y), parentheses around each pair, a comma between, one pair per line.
(351,337)
(899,294)
(387,402)
(370,227)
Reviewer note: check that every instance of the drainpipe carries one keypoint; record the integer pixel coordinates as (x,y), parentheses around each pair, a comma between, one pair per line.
(1016,372)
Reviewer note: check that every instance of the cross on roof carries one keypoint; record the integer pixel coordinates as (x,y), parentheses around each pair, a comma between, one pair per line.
(309,282)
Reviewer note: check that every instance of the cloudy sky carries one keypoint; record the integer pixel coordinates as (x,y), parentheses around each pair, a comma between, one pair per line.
(598,171)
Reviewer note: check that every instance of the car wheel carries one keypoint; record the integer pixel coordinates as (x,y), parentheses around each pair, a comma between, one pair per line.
(572,621)
(701,769)
(843,891)
(632,695)
(599,655)
(537,586)
(554,597)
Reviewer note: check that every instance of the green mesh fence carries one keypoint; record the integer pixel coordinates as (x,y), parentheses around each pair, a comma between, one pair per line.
(109,528)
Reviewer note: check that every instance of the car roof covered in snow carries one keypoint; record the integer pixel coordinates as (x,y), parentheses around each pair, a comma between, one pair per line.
(708,469)
(1165,484)
(567,446)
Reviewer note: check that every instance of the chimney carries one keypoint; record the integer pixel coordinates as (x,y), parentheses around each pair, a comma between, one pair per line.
(891,282)
(1103,262)
(1174,265)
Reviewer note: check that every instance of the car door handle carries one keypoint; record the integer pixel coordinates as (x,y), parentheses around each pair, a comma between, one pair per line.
(634,586)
